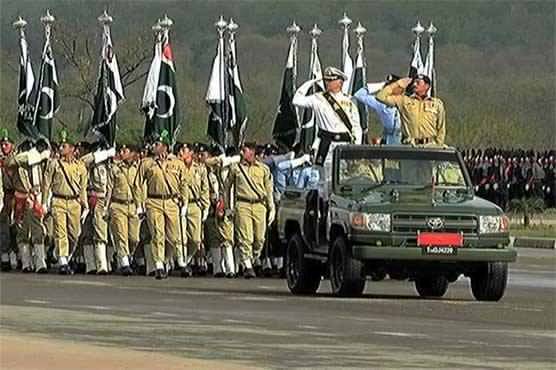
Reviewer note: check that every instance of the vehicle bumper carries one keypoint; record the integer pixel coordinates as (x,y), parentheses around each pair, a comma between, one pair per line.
(364,252)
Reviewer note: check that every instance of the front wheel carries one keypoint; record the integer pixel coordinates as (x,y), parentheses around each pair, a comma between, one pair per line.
(346,273)
(488,281)
(431,285)
(303,275)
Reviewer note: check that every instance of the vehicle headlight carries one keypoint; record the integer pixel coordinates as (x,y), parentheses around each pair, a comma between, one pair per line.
(371,221)
(493,224)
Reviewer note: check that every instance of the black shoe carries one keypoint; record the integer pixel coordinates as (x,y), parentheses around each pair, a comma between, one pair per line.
(152,273)
(219,275)
(249,274)
(186,272)
(27,270)
(64,270)
(102,272)
(267,272)
(126,271)
(230,275)
(92,272)
(5,266)
(283,273)
(42,270)
(160,274)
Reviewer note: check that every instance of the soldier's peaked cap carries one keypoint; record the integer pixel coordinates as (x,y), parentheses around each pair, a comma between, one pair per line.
(424,78)
(333,73)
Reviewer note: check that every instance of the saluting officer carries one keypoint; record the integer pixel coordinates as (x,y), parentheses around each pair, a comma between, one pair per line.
(423,117)
(66,180)
(254,208)
(125,205)
(166,197)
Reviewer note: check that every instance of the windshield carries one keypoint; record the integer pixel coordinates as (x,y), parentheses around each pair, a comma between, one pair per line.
(421,172)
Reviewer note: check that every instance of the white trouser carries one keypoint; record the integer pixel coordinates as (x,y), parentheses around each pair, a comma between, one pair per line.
(217,259)
(39,255)
(100,257)
(25,256)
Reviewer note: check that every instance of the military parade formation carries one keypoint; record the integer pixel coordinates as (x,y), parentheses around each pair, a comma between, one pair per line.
(99,206)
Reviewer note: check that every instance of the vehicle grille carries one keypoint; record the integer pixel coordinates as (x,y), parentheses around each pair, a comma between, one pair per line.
(411,223)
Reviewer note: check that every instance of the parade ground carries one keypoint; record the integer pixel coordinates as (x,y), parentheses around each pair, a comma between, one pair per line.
(113,322)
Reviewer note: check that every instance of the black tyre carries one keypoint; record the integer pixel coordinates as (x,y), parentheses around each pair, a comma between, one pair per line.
(488,281)
(303,275)
(346,273)
(431,285)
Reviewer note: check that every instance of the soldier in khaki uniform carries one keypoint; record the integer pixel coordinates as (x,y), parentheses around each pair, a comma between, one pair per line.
(219,231)
(166,198)
(423,118)
(7,174)
(95,229)
(254,208)
(198,205)
(66,180)
(28,211)
(125,206)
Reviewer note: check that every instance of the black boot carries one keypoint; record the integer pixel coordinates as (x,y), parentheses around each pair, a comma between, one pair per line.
(5,266)
(64,270)
(186,272)
(249,274)
(126,271)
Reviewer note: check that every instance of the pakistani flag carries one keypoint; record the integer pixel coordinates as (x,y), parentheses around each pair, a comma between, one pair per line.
(160,94)
(47,102)
(308,128)
(26,84)
(110,92)
(237,123)
(286,122)
(359,80)
(216,97)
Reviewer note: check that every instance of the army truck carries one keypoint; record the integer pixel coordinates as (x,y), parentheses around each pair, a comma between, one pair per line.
(409,212)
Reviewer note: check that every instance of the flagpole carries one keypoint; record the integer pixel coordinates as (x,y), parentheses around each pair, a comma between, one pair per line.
(293,30)
(363,113)
(232,28)
(360,33)
(417,30)
(346,23)
(20,25)
(221,25)
(47,20)
(315,33)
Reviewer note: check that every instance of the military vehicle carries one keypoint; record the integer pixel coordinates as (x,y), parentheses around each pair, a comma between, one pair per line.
(409,212)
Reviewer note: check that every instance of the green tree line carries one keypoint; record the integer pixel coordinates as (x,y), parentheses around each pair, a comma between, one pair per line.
(495,60)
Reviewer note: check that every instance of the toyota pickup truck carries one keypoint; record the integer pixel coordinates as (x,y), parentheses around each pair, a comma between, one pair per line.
(409,212)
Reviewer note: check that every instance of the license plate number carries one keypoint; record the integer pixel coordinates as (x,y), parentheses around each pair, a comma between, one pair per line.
(439,251)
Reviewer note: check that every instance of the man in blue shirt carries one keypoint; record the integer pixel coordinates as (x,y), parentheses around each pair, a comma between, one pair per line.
(389,116)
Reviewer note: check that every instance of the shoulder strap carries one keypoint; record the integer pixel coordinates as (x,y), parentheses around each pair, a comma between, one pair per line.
(170,189)
(248,180)
(338,109)
(70,184)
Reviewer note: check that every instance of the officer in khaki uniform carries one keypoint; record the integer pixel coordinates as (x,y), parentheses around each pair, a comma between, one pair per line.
(66,180)
(125,206)
(29,212)
(95,229)
(423,118)
(254,208)
(198,205)
(7,174)
(166,197)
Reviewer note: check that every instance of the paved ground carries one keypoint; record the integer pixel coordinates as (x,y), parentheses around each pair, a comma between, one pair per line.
(258,323)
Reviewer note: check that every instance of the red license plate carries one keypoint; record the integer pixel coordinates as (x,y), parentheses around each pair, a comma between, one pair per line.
(440,239)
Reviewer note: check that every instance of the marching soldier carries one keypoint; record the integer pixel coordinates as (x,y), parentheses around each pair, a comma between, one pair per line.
(28,210)
(198,205)
(7,173)
(95,238)
(125,206)
(66,181)
(423,118)
(166,197)
(254,208)
(219,233)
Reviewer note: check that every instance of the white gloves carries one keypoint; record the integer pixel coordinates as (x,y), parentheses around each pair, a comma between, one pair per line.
(271,216)
(1,204)
(102,155)
(375,87)
(183,211)
(204,215)
(227,161)
(84,214)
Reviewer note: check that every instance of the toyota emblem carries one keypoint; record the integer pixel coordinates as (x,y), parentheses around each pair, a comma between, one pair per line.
(435,223)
